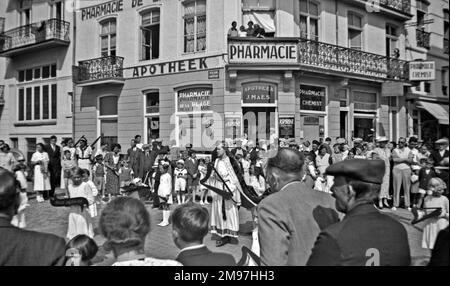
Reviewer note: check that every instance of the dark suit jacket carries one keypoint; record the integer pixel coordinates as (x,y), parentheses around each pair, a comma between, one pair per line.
(191,167)
(438,158)
(365,237)
(54,157)
(204,257)
(289,222)
(146,162)
(134,158)
(19,247)
(424,178)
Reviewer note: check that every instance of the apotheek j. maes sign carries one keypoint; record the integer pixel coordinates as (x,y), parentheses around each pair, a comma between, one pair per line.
(262,52)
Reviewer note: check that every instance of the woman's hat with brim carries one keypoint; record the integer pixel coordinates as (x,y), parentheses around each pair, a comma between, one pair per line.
(381,139)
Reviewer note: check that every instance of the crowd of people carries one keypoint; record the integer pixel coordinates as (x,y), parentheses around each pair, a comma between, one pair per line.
(252,30)
(302,191)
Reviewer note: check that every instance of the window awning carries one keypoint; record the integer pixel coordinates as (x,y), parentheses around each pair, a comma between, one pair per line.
(439,111)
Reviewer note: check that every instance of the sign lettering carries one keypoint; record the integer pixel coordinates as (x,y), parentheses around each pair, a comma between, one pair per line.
(286,127)
(258,93)
(102,9)
(312,98)
(422,71)
(194,99)
(263,52)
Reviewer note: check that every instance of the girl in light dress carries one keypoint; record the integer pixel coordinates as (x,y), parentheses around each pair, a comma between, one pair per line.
(39,161)
(19,219)
(435,199)
(204,191)
(79,217)
(68,163)
(165,192)
(311,173)
(87,180)
(246,167)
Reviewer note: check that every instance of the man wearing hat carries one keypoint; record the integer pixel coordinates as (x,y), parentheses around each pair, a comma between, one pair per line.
(365,237)
(382,152)
(441,160)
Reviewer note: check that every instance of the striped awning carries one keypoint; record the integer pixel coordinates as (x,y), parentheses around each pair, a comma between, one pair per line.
(439,111)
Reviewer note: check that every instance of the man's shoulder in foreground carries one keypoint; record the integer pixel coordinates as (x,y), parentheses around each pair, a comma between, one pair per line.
(300,191)
(205,257)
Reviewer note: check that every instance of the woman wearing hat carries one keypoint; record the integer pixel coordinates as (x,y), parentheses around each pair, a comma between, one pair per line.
(384,153)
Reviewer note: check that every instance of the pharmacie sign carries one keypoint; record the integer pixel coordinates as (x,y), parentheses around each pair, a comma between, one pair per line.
(419,71)
(262,52)
(312,97)
(106,8)
(194,99)
(259,93)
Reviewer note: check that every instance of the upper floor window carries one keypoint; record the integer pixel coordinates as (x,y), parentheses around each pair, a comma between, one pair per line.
(194,26)
(57,10)
(108,38)
(25,12)
(152,102)
(261,13)
(446,30)
(309,20)
(355,29)
(150,24)
(421,12)
(391,41)
(38,73)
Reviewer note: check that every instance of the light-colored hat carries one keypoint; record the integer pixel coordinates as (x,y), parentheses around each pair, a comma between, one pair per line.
(165,163)
(382,139)
(415,167)
(180,162)
(340,141)
(357,140)
(146,146)
(442,141)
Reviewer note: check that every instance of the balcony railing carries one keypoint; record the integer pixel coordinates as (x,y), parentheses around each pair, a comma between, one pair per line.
(104,69)
(2,94)
(352,61)
(36,33)
(403,6)
(423,39)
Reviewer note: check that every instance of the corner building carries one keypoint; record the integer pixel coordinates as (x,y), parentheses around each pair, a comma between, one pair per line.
(166,69)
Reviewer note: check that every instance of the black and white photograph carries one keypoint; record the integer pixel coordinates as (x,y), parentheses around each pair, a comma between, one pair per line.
(224,133)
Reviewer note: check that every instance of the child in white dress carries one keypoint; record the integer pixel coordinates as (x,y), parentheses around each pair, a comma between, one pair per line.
(79,218)
(435,199)
(165,192)
(19,219)
(87,180)
(203,190)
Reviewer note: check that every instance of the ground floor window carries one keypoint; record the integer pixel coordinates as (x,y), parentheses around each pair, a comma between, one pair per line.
(312,126)
(259,122)
(31,147)
(37,102)
(109,131)
(108,124)
(152,123)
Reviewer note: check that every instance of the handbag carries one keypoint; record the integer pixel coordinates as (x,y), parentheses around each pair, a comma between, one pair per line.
(414,178)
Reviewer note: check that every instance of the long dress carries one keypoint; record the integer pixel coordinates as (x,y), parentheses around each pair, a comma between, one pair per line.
(385,155)
(112,179)
(80,220)
(246,167)
(225,218)
(41,177)
(434,225)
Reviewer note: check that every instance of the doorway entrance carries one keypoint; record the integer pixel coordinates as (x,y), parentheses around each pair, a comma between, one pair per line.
(364,128)
(258,121)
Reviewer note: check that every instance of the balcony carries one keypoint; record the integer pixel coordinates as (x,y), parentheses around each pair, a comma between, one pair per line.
(400,9)
(402,6)
(46,34)
(326,57)
(2,95)
(104,70)
(423,39)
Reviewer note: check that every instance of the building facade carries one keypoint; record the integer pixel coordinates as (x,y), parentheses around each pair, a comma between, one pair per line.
(36,72)
(427,44)
(167,69)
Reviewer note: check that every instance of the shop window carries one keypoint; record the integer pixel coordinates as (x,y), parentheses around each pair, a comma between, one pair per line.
(261,12)
(108,37)
(150,26)
(194,26)
(309,20)
(312,126)
(355,30)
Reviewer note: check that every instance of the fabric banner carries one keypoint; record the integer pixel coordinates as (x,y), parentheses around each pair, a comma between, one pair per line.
(263,18)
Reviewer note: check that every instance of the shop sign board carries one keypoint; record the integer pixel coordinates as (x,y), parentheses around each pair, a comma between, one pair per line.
(312,97)
(263,52)
(194,99)
(286,126)
(422,71)
(259,93)
(311,120)
(213,74)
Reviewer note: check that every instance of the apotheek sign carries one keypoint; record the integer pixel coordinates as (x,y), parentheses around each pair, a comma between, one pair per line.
(419,71)
(262,52)
(312,97)
(194,99)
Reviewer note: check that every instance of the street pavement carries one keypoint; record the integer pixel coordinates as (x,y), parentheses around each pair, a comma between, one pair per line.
(43,217)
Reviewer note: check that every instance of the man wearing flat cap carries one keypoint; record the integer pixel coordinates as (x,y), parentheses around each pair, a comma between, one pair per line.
(365,237)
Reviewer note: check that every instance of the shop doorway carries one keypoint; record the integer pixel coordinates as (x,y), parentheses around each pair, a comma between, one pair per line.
(258,121)
(364,128)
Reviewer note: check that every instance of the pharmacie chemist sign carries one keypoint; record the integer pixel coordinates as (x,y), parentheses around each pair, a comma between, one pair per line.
(262,52)
(312,98)
(194,99)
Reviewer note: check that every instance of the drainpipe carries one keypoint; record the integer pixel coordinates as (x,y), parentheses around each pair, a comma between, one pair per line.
(74,44)
(337,21)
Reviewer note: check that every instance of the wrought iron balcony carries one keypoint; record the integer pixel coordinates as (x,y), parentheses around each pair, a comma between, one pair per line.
(97,71)
(323,56)
(2,94)
(423,39)
(403,6)
(49,33)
